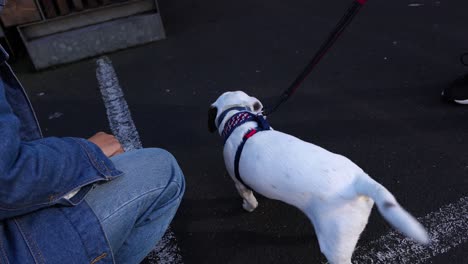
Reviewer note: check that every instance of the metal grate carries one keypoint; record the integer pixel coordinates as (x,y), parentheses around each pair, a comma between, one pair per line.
(55,8)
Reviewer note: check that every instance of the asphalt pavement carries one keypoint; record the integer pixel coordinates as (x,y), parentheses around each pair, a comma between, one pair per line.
(374,98)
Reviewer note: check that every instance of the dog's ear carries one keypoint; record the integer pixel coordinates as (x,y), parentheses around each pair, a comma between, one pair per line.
(212,113)
(255,105)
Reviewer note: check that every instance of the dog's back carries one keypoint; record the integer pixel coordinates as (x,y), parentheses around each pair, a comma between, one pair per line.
(283,167)
(329,188)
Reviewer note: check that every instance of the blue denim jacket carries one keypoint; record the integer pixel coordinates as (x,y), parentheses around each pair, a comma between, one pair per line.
(37,224)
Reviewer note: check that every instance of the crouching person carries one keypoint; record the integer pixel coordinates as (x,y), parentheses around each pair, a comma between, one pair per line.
(75,200)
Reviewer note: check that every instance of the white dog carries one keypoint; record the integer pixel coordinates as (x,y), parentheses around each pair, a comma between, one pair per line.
(335,194)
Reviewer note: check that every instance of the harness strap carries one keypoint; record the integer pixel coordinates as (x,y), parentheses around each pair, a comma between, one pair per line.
(238,155)
(263,125)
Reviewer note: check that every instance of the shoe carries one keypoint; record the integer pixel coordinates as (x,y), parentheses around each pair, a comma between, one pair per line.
(457,92)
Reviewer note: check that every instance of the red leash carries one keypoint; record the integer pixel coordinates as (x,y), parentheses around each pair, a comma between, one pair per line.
(334,35)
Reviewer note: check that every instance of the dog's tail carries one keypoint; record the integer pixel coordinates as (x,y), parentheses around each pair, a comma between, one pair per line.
(398,217)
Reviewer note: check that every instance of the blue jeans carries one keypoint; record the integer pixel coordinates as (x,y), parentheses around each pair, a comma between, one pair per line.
(136,208)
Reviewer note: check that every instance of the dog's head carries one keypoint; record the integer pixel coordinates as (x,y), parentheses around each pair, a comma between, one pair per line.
(228,100)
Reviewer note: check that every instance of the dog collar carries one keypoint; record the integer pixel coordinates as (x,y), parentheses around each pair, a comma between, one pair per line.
(239,119)
(235,121)
(224,113)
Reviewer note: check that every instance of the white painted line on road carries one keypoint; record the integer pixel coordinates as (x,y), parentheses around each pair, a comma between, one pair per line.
(167,251)
(118,114)
(447,227)
(121,123)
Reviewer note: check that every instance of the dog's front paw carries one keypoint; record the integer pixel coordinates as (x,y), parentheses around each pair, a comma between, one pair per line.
(249,207)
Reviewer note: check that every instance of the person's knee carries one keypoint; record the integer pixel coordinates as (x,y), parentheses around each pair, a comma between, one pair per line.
(166,164)
(153,168)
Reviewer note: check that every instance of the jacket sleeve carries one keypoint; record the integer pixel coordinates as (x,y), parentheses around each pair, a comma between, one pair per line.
(38,174)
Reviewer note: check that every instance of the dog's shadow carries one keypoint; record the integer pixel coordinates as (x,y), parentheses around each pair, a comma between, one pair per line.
(223,224)
(225,221)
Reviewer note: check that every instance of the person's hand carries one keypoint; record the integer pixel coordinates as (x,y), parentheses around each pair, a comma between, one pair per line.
(107,143)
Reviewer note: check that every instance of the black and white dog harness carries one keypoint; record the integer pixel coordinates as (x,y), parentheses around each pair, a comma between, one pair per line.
(237,120)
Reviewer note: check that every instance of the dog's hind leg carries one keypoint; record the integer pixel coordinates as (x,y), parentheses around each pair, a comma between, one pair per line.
(250,202)
(338,229)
